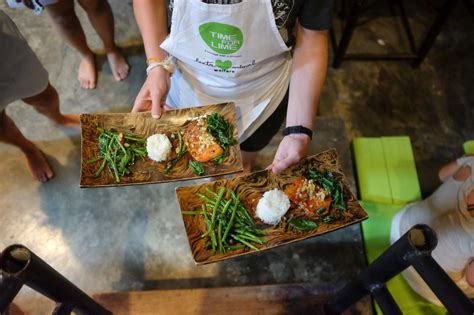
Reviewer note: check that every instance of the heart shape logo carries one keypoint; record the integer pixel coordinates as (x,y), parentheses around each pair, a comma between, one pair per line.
(224,65)
(222,38)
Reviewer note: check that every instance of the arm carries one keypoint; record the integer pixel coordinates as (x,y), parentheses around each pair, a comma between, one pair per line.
(449,170)
(152,19)
(308,73)
(470,274)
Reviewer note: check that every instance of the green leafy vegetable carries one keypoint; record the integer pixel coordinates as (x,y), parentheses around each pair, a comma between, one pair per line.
(327,219)
(333,187)
(181,152)
(221,130)
(302,224)
(221,158)
(321,210)
(196,166)
(118,151)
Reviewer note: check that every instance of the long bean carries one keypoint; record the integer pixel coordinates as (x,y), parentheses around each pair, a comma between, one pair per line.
(118,151)
(216,206)
(227,218)
(181,152)
(214,213)
(251,238)
(219,237)
(232,216)
(235,237)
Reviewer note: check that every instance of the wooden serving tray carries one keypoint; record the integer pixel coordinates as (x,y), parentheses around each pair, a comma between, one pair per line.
(251,187)
(143,125)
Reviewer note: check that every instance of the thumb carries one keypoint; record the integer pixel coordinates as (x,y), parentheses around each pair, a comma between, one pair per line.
(280,166)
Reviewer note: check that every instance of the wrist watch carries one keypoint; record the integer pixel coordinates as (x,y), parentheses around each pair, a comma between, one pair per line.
(298,129)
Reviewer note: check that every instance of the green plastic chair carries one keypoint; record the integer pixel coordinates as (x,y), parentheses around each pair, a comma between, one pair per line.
(387,180)
(469,147)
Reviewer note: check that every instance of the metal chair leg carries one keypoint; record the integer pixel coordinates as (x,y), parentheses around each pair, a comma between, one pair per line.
(21,266)
(433,32)
(349,27)
(412,249)
(385,300)
(9,288)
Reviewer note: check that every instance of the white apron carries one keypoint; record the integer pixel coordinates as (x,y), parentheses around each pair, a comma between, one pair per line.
(228,53)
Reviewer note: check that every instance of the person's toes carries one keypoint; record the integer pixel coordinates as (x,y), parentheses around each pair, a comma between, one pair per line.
(123,72)
(118,65)
(92,84)
(42,177)
(49,174)
(38,165)
(87,72)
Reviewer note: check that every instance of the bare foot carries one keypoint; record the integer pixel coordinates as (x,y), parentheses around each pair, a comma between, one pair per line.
(118,64)
(87,73)
(38,166)
(68,120)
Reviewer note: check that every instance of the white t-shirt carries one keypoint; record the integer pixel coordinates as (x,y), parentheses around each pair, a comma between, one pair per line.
(445,211)
(21,73)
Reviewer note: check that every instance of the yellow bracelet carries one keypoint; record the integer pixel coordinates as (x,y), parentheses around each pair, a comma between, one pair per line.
(167,64)
(153,59)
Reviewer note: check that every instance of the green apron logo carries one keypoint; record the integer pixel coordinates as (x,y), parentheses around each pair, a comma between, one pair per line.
(222,38)
(224,65)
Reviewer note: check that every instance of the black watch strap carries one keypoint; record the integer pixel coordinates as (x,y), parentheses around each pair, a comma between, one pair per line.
(298,129)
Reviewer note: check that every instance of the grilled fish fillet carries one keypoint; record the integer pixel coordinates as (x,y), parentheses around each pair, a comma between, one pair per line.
(200,143)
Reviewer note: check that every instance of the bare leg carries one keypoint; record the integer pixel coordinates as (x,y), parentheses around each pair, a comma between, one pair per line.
(65,19)
(35,160)
(101,17)
(47,103)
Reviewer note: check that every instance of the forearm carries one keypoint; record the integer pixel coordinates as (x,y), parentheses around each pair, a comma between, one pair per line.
(308,73)
(152,19)
(448,170)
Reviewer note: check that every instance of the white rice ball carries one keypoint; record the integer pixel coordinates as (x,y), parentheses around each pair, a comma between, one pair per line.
(272,206)
(158,147)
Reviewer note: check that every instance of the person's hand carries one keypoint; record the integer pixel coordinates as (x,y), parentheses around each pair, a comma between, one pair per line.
(291,150)
(27,3)
(153,93)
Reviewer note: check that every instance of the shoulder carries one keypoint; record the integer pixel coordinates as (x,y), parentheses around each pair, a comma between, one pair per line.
(314,14)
